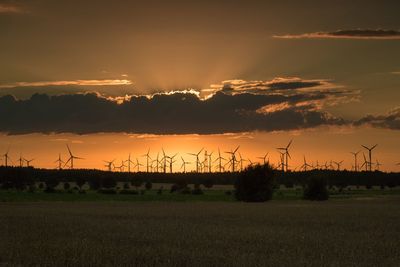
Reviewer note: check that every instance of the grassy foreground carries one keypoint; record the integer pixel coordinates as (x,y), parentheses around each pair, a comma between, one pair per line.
(346,232)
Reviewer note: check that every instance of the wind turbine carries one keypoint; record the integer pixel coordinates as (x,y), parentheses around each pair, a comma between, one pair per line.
(171,161)
(210,162)
(21,161)
(365,163)
(370,154)
(164,161)
(129,161)
(378,164)
(138,164)
(250,162)
(59,161)
(264,158)
(355,160)
(233,157)
(147,155)
(6,157)
(286,154)
(109,164)
(197,159)
(184,164)
(219,159)
(305,164)
(338,164)
(282,160)
(71,158)
(121,167)
(241,160)
(28,162)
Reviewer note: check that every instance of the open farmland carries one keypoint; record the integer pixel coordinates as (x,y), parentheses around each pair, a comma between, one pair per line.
(344,232)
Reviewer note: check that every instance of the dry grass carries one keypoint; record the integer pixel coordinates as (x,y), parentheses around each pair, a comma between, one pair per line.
(278,233)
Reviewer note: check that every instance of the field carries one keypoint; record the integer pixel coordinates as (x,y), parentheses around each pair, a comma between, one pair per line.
(363,231)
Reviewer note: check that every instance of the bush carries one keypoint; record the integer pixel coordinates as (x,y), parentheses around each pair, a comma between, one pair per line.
(316,189)
(255,184)
(208,183)
(160,191)
(109,182)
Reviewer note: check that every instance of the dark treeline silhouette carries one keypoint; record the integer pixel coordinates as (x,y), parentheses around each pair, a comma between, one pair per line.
(20,178)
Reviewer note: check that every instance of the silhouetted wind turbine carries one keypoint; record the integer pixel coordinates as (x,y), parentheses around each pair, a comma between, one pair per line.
(59,161)
(365,163)
(147,155)
(184,164)
(28,162)
(241,160)
(171,161)
(370,154)
(378,165)
(219,159)
(305,164)
(264,159)
(71,158)
(109,164)
(338,164)
(287,154)
(197,159)
(138,164)
(210,162)
(21,161)
(6,157)
(233,157)
(129,161)
(355,160)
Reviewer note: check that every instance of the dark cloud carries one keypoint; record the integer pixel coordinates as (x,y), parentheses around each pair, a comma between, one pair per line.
(176,113)
(391,120)
(346,34)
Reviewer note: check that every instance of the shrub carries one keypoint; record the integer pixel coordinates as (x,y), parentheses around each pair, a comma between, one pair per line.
(81,191)
(316,189)
(41,186)
(228,193)
(185,190)
(255,184)
(80,181)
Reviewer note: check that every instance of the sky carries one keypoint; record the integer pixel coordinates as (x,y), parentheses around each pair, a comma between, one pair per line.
(111,78)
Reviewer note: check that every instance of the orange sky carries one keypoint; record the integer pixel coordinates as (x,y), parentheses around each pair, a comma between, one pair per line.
(323,144)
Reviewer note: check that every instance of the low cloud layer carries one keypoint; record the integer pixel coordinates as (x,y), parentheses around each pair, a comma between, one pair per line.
(391,120)
(379,34)
(232,106)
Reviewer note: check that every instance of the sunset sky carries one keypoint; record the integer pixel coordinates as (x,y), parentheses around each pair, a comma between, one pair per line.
(111,78)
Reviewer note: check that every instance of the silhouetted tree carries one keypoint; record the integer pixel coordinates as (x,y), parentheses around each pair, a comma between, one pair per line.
(255,184)
(316,188)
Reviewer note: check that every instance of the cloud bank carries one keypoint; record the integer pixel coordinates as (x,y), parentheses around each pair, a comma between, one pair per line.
(391,120)
(378,34)
(232,106)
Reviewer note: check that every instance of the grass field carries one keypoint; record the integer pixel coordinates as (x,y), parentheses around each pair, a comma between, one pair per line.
(341,232)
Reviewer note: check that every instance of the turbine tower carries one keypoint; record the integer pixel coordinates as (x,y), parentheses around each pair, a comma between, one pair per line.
(129,161)
(264,159)
(233,157)
(109,164)
(59,161)
(197,159)
(147,155)
(355,160)
(219,159)
(286,155)
(370,155)
(28,162)
(6,157)
(71,158)
(184,164)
